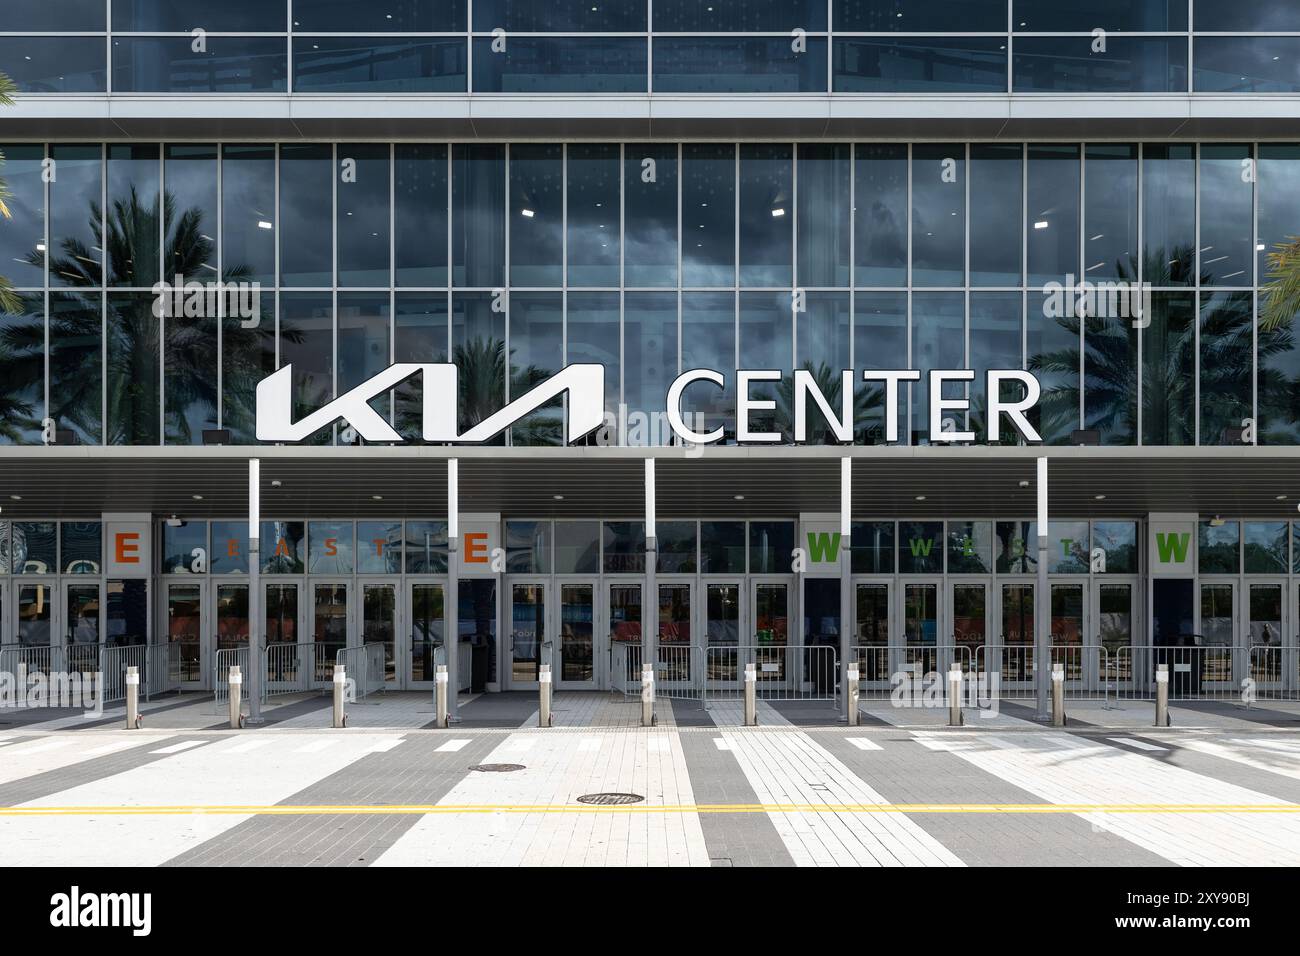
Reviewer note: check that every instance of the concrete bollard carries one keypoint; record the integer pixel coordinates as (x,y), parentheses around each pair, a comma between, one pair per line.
(340,695)
(440,695)
(647,696)
(851,695)
(751,695)
(1058,695)
(236,682)
(544,696)
(955,718)
(132,698)
(1162,695)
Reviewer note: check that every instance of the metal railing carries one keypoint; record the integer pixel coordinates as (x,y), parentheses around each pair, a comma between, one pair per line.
(223,660)
(287,668)
(676,677)
(785,672)
(625,667)
(1091,672)
(366,667)
(158,665)
(879,665)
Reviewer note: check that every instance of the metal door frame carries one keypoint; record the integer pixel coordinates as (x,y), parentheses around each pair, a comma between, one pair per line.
(745,626)
(599,652)
(406,638)
(692,583)
(507,667)
(325,667)
(385,581)
(890,654)
(207,628)
(1134,584)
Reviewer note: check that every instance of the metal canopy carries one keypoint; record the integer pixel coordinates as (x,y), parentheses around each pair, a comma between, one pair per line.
(584,482)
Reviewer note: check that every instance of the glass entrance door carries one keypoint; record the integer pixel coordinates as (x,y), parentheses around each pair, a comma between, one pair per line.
(673,654)
(1068,628)
(379,623)
(288,658)
(83,608)
(1261,659)
(1013,656)
(330,626)
(528,635)
(427,614)
(1207,664)
(773,655)
(577,656)
(871,643)
(623,623)
(722,644)
(969,601)
(1113,617)
(184,616)
(921,627)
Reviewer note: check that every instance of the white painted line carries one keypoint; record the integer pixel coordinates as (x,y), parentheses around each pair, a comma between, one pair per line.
(722,743)
(452,746)
(865,743)
(109,748)
(589,744)
(1139,744)
(316,746)
(385,745)
(177,748)
(47,745)
(658,745)
(245,746)
(518,744)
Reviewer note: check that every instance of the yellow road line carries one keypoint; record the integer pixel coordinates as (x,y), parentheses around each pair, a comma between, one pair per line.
(421,809)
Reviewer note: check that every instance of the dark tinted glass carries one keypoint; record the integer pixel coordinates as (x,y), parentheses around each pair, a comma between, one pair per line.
(1110,214)
(420,214)
(1053,214)
(1129,65)
(358,65)
(76,364)
(362,217)
(1169,214)
(536,214)
(939,215)
(73,16)
(880,214)
(920,65)
(306,215)
(996,184)
(307,343)
(1084,16)
(825,214)
(420,334)
(248,213)
(132,335)
(1169,371)
(22,373)
(920,16)
(170,65)
(54,64)
(183,16)
(478,215)
(708,214)
(650,214)
(879,342)
(22,239)
(591,334)
(394,16)
(766,214)
(1227,215)
(1226,360)
(75,199)
(561,65)
(749,65)
(363,339)
(592,245)
(938,342)
(560,16)
(134,178)
(191,174)
(650,341)
(1216,16)
(1247,65)
(739,16)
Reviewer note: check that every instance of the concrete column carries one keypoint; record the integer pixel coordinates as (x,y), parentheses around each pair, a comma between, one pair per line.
(1042,605)
(255,675)
(650,600)
(846,580)
(452,642)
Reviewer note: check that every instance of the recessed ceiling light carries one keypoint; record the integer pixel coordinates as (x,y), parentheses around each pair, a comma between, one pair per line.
(1280,498)
(1024,484)
(15,497)
(738,497)
(1099,497)
(558,497)
(376,497)
(920,497)
(197,497)
(275,483)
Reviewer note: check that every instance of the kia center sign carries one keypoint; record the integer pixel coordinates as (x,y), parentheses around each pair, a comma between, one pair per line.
(584,387)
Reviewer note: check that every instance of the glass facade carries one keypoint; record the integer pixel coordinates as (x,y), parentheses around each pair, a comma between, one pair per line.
(1135,280)
(674,46)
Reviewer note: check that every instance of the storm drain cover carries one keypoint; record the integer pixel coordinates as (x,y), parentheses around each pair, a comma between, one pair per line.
(497,767)
(610,799)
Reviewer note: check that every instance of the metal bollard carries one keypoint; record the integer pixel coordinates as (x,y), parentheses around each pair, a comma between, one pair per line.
(440,694)
(132,698)
(544,696)
(955,718)
(647,696)
(851,695)
(1058,695)
(1162,695)
(340,692)
(236,682)
(751,695)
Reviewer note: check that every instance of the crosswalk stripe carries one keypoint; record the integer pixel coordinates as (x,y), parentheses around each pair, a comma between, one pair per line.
(247,745)
(47,745)
(385,745)
(865,743)
(316,746)
(588,744)
(177,748)
(722,743)
(519,744)
(452,746)
(109,748)
(1139,744)
(658,745)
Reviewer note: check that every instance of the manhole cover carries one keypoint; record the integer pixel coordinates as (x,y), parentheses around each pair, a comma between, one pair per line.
(610,799)
(497,767)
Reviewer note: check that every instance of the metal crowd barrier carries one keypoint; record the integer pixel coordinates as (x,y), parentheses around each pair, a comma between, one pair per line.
(366,666)
(785,672)
(878,664)
(625,667)
(1212,672)
(222,662)
(158,667)
(674,669)
(1091,672)
(287,668)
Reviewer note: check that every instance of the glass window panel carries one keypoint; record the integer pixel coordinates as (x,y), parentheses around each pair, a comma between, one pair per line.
(248,212)
(306,218)
(1015,547)
(1226,365)
(738,65)
(591,335)
(247,356)
(1246,16)
(307,343)
(283,547)
(1110,213)
(872,547)
(1247,65)
(650,340)
(478,201)
(1169,371)
(1227,215)
(35,547)
(938,342)
(709,214)
(227,65)
(330,547)
(709,326)
(559,16)
(1278,360)
(478,337)
(1068,546)
(1295,547)
(970,547)
(181,16)
(577,547)
(22,373)
(1118,541)
(379,547)
(1279,203)
(420,214)
(424,550)
(920,547)
(593,214)
(824,208)
(80,546)
(677,546)
(624,547)
(191,213)
(767,342)
(133,339)
(420,334)
(363,341)
(536,353)
(879,342)
(1052,218)
(410,16)
(82,16)
(22,240)
(1265,547)
(229,547)
(722,547)
(528,547)
(1114,16)
(75,224)
(880,215)
(938,214)
(1219,548)
(561,65)
(823,338)
(766,215)
(1126,65)
(4,548)
(1110,378)
(362,218)
(920,65)
(1168,214)
(771,544)
(996,221)
(361,65)
(995,344)
(66,64)
(133,230)
(919,16)
(536,215)
(76,364)
(178,546)
(190,393)
(650,215)
(741,16)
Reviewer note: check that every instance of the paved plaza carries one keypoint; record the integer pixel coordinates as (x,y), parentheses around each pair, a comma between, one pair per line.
(1220,788)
